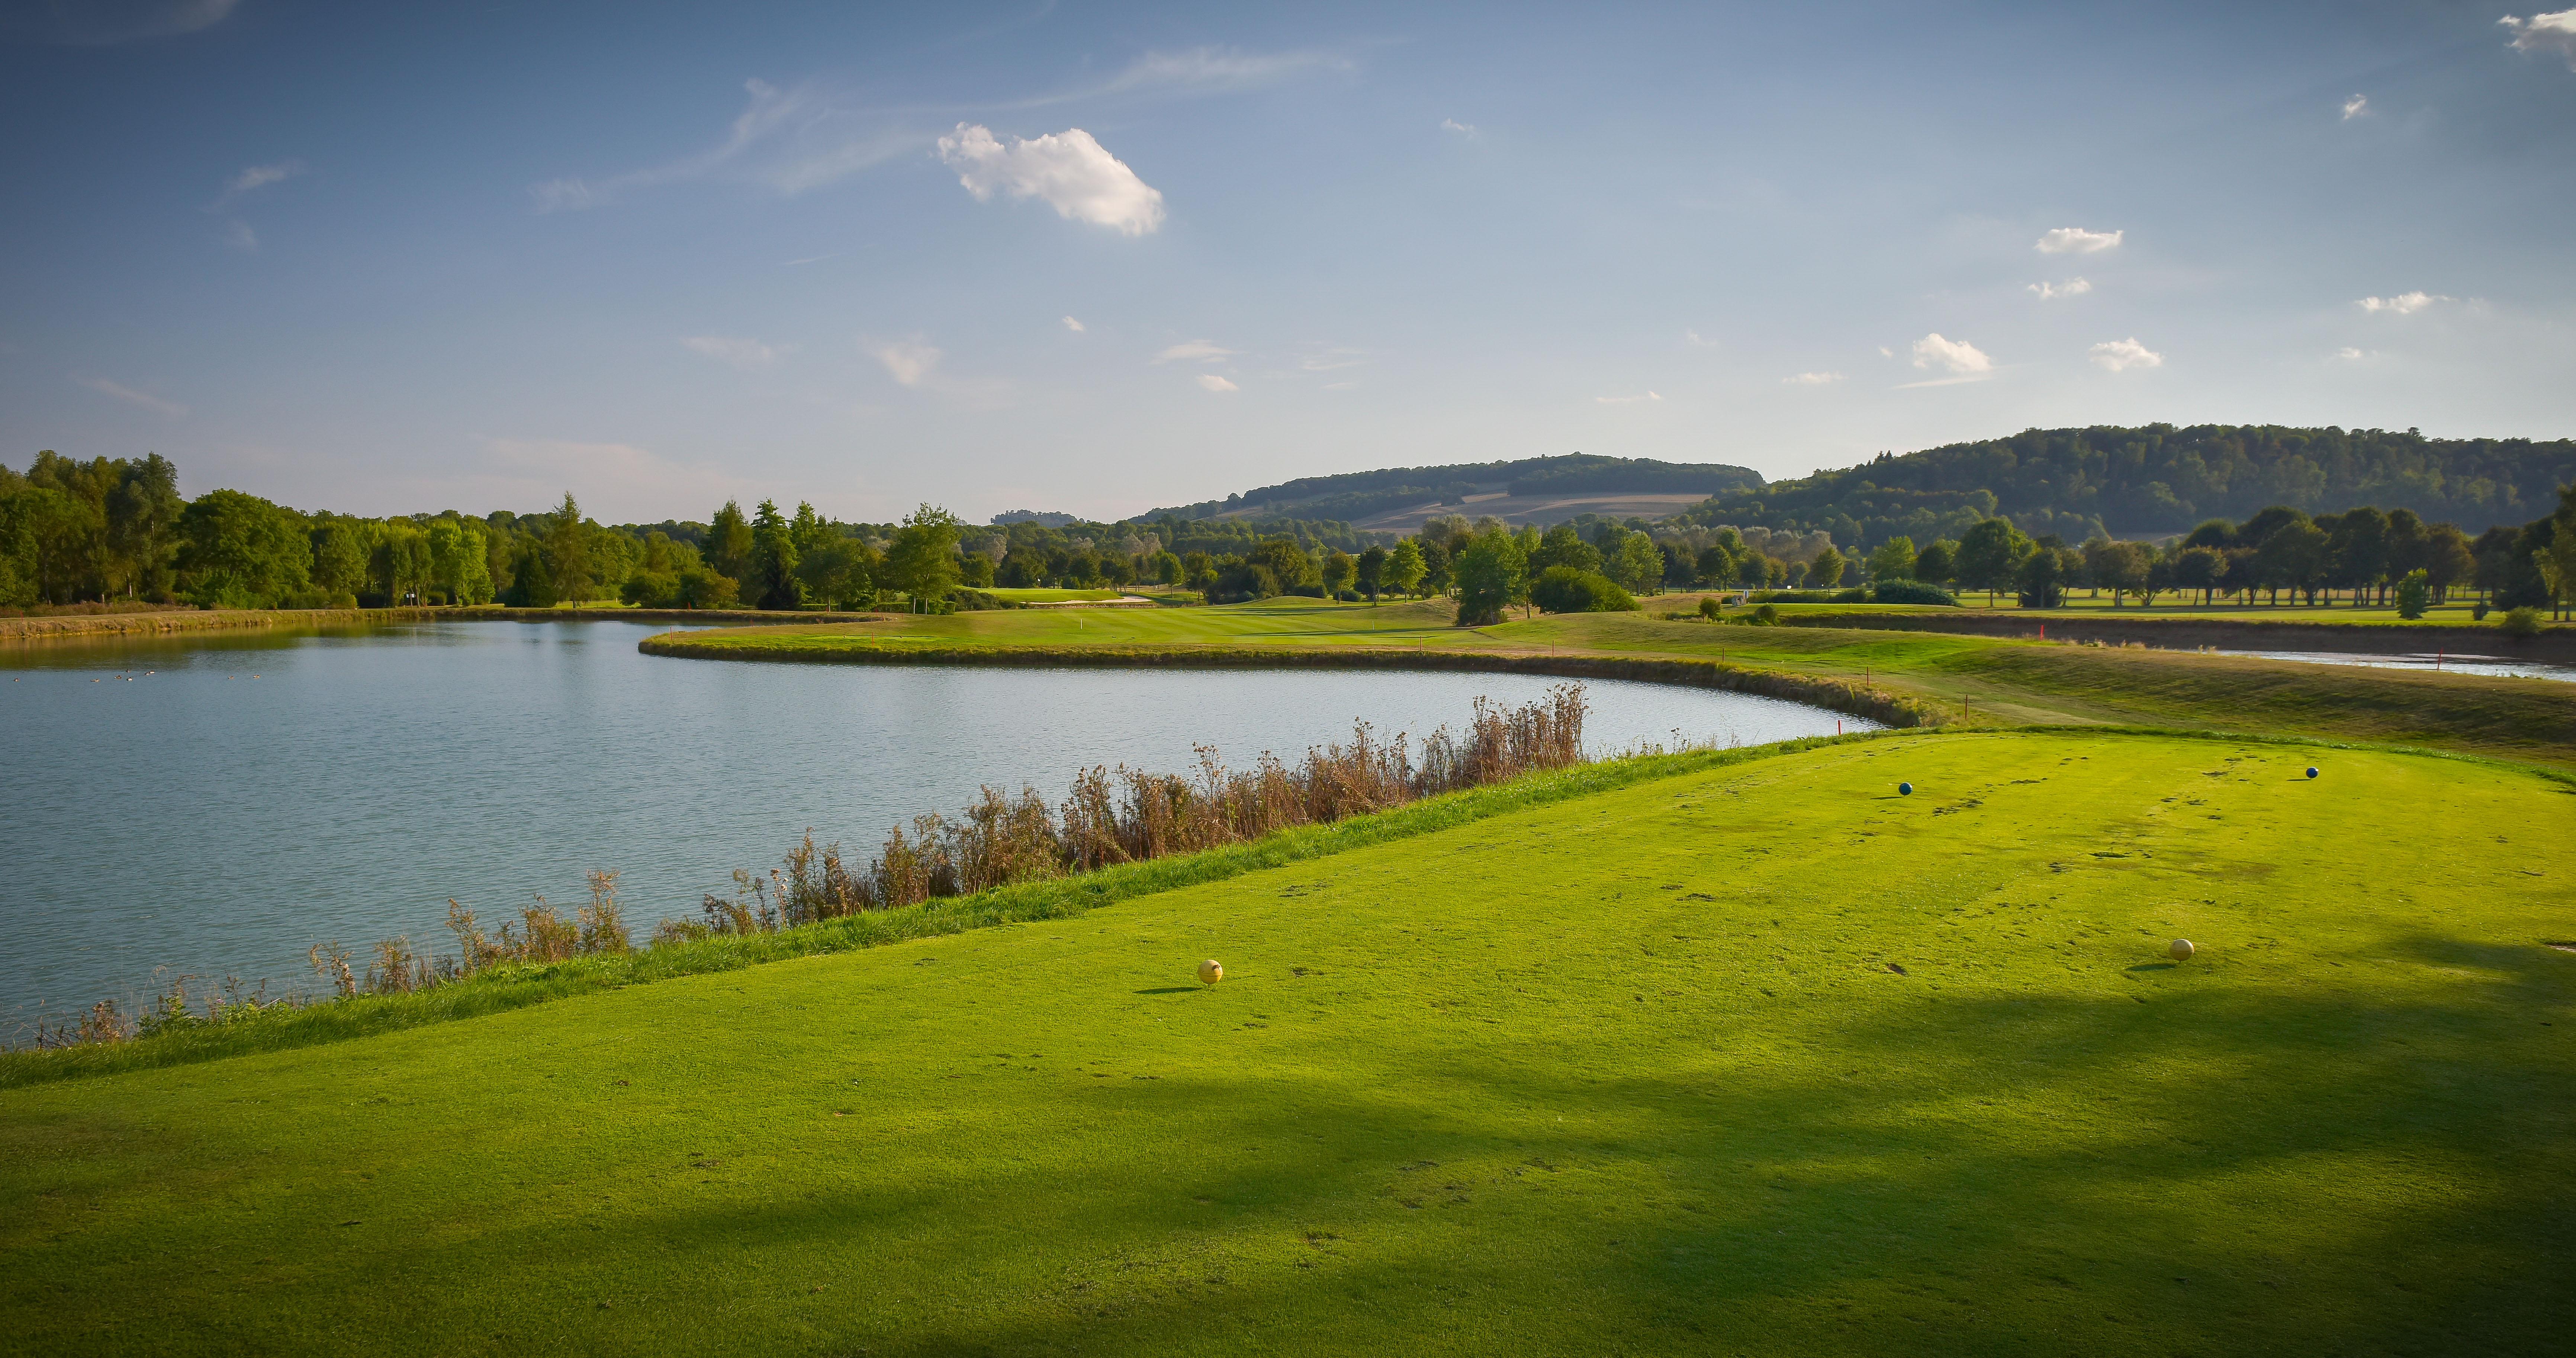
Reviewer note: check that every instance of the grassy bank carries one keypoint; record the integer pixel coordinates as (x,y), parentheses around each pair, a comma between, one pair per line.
(1754,1058)
(285,1027)
(1931,676)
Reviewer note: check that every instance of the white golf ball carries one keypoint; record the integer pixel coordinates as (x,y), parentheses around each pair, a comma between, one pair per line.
(2180,951)
(1210,973)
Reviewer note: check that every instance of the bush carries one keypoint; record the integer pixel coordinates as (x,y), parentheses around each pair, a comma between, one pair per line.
(1564,589)
(1709,607)
(1910,592)
(2414,594)
(1855,595)
(1763,615)
(2521,623)
(2478,611)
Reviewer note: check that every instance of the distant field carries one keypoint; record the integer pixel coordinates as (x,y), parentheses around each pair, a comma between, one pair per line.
(1758,1059)
(1054,596)
(1980,678)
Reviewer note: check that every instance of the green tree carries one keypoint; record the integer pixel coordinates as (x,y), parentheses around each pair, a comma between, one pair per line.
(2120,567)
(1563,546)
(2414,594)
(1893,560)
(1565,589)
(1339,572)
(2199,568)
(1990,554)
(773,581)
(1167,568)
(240,551)
(2042,580)
(1934,565)
(1405,568)
(567,553)
(2293,557)
(1371,569)
(341,553)
(1492,576)
(1825,572)
(1640,566)
(729,543)
(923,560)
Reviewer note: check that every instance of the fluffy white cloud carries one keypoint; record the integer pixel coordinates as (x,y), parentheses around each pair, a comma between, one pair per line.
(2075,240)
(907,361)
(745,354)
(1628,400)
(1958,357)
(2121,355)
(1069,170)
(2073,287)
(1073,325)
(1453,125)
(2403,304)
(2356,106)
(1811,379)
(1200,351)
(131,397)
(1215,383)
(2545,33)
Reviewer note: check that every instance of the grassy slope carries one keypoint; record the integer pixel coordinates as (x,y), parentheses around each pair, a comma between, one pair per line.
(1665,1094)
(2000,680)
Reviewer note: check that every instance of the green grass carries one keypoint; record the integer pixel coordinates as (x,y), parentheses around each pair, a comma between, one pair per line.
(1993,679)
(1628,1073)
(1053,596)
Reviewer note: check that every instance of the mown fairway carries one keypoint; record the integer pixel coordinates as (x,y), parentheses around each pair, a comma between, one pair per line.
(1636,1073)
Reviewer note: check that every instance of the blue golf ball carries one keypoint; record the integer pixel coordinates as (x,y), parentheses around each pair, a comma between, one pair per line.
(2312,773)
(1905,789)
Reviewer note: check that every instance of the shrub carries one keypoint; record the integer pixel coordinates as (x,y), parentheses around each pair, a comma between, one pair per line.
(1566,589)
(1910,592)
(1763,615)
(2478,611)
(2414,593)
(1855,595)
(2521,623)
(1709,607)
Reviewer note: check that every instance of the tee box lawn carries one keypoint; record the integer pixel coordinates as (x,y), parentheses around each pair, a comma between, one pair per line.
(1753,1058)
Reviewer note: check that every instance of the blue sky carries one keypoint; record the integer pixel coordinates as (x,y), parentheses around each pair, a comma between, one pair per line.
(1101,258)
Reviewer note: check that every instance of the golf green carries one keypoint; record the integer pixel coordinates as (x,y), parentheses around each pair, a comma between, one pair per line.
(1757,1059)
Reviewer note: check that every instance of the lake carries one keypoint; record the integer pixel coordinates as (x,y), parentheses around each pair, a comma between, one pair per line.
(218,802)
(2493,666)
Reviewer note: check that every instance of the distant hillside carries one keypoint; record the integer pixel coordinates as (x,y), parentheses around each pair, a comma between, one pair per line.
(1393,493)
(2158,479)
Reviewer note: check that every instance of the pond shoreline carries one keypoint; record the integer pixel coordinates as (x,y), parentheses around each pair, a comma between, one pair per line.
(217,619)
(2183,632)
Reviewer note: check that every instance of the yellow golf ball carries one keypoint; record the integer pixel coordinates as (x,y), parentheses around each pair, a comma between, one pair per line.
(2180,951)
(1210,973)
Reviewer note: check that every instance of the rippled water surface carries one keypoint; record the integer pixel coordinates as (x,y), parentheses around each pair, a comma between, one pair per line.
(218,803)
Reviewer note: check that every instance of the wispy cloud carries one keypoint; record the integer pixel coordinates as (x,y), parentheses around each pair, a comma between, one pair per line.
(2545,33)
(1956,357)
(2350,355)
(2356,106)
(148,401)
(1193,351)
(746,354)
(237,232)
(2120,356)
(1467,130)
(1628,400)
(1216,69)
(907,361)
(1692,337)
(2075,240)
(789,139)
(2403,304)
(1073,325)
(1331,360)
(104,25)
(1067,170)
(1215,383)
(1811,380)
(2073,287)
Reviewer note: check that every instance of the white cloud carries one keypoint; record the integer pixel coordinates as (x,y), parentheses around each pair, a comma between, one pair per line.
(260,177)
(2350,355)
(2403,304)
(1811,380)
(2356,106)
(2545,33)
(1215,383)
(2075,240)
(2121,355)
(1069,170)
(130,396)
(1958,357)
(1200,351)
(745,354)
(1885,352)
(1628,400)
(1073,325)
(239,235)
(1692,337)
(1462,129)
(907,361)
(2073,287)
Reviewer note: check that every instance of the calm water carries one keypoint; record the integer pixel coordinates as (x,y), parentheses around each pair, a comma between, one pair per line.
(218,804)
(2499,666)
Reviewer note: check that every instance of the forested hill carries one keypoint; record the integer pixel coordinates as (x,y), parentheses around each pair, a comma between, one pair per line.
(1356,495)
(2158,479)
